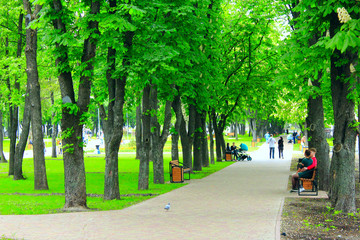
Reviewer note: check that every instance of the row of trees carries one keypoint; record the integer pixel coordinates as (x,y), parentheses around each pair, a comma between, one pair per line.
(188,67)
(163,57)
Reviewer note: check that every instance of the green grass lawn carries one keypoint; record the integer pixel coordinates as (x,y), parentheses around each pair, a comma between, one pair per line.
(131,146)
(297,146)
(246,140)
(6,145)
(18,197)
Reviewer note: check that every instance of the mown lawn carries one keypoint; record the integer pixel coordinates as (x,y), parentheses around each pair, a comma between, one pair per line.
(18,197)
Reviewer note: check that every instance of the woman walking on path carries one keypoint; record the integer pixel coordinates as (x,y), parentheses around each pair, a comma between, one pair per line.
(281,147)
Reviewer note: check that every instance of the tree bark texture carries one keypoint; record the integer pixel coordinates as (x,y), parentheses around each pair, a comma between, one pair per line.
(212,157)
(219,126)
(204,142)
(115,120)
(253,129)
(186,136)
(158,139)
(113,131)
(197,143)
(54,130)
(40,178)
(176,105)
(75,181)
(217,137)
(143,183)
(20,147)
(236,130)
(316,137)
(138,131)
(2,157)
(14,109)
(53,140)
(342,169)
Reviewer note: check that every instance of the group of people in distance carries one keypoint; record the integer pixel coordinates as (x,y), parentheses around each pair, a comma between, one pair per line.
(305,169)
(271,141)
(235,151)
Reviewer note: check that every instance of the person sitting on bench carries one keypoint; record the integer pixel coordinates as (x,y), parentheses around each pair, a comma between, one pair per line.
(234,151)
(228,149)
(305,162)
(314,164)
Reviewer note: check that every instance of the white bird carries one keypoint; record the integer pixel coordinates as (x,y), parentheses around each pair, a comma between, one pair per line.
(167,207)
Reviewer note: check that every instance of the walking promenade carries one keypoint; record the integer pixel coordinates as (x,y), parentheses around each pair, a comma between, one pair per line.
(242,201)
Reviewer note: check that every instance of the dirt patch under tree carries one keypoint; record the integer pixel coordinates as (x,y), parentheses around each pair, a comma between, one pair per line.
(313,218)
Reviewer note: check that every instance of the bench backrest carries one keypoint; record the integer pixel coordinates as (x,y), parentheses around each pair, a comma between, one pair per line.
(314,174)
(174,162)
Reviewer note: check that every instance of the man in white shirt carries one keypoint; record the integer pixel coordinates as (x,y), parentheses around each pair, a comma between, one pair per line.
(271,143)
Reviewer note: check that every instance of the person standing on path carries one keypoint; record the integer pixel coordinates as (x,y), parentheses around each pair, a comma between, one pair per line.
(294,136)
(281,147)
(271,143)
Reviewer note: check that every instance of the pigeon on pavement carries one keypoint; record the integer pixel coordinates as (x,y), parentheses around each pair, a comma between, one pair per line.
(167,207)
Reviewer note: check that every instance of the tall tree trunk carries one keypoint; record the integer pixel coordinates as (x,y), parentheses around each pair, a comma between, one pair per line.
(2,157)
(236,130)
(197,143)
(143,183)
(186,136)
(218,136)
(53,140)
(342,169)
(204,146)
(14,109)
(158,139)
(252,122)
(317,139)
(358,80)
(75,182)
(20,147)
(359,142)
(40,178)
(54,130)
(115,119)
(243,129)
(212,158)
(138,131)
(176,105)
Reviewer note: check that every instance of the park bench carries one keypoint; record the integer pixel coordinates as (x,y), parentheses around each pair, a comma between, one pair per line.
(177,170)
(228,156)
(309,184)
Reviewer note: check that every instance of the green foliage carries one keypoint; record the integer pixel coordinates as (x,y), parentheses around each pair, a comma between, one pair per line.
(72,108)
(67,133)
(69,148)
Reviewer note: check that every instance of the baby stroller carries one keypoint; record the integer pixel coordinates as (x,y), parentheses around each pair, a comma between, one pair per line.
(242,153)
(289,138)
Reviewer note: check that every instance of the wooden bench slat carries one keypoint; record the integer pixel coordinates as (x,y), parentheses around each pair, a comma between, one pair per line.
(308,184)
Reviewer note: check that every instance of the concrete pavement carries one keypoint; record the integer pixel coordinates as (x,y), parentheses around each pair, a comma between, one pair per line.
(242,201)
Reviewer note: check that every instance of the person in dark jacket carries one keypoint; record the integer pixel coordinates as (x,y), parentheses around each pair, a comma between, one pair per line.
(234,151)
(305,162)
(294,136)
(228,149)
(281,147)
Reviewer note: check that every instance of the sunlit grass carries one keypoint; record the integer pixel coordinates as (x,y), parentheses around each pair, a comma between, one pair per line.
(19,197)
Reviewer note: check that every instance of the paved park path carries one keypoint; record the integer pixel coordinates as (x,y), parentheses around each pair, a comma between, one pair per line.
(242,201)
